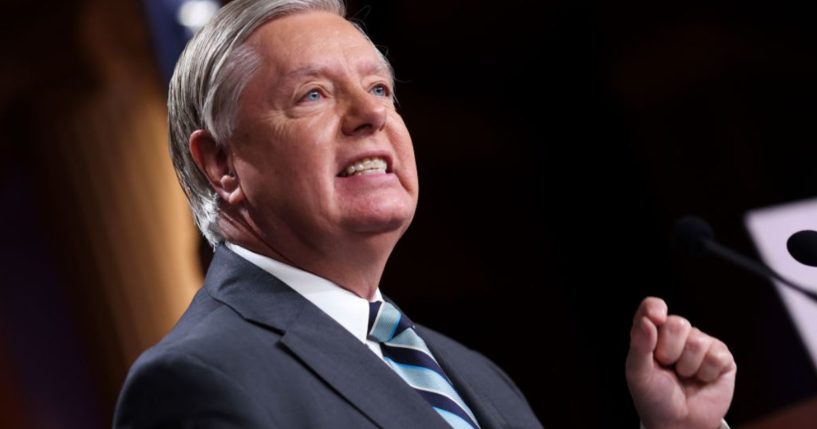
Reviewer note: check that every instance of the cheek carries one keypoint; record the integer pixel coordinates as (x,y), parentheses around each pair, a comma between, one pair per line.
(410,168)
(286,146)
(305,158)
(405,151)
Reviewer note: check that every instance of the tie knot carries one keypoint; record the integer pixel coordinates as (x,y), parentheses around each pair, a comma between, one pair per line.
(386,321)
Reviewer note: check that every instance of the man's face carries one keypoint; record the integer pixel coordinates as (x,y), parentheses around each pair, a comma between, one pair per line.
(319,148)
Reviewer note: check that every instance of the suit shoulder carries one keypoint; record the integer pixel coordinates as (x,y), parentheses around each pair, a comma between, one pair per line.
(207,330)
(173,389)
(192,374)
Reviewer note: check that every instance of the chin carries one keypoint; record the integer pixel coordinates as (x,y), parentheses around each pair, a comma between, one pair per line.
(379,226)
(381,222)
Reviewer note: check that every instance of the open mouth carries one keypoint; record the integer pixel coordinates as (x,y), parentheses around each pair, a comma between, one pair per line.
(373,165)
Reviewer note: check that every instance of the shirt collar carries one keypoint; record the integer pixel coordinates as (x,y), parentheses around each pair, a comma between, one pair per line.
(346,308)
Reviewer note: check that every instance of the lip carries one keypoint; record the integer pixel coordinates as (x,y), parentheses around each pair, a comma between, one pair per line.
(361,156)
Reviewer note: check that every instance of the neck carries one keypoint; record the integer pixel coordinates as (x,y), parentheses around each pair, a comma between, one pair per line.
(354,262)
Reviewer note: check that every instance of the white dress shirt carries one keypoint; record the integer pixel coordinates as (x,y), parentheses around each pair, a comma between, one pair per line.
(346,308)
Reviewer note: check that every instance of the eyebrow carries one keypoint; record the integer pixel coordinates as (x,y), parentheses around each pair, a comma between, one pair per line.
(314,70)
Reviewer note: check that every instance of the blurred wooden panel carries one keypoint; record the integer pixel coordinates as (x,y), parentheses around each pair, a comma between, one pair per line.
(85,110)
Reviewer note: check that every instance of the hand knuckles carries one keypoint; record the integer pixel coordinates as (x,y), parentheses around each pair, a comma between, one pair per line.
(695,345)
(721,346)
(653,307)
(717,359)
(697,342)
(652,301)
(677,324)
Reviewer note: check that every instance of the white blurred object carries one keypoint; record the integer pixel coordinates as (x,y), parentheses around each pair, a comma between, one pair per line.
(770,228)
(194,14)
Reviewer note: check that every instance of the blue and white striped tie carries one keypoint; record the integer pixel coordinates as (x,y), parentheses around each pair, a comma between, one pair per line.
(407,354)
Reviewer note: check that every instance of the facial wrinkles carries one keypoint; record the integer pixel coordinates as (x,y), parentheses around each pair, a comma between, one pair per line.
(295,151)
(347,60)
(349,67)
(321,125)
(346,63)
(339,84)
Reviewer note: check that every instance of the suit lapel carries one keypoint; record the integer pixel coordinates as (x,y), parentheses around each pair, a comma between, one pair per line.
(328,349)
(357,374)
(454,366)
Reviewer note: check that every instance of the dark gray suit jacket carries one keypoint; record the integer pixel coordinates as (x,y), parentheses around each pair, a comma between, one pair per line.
(250,352)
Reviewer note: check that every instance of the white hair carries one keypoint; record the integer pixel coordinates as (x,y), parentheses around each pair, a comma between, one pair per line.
(206,86)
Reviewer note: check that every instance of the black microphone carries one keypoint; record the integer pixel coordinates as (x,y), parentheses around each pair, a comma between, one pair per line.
(803,247)
(694,236)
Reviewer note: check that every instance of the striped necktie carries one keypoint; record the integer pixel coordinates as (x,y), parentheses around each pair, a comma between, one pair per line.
(407,354)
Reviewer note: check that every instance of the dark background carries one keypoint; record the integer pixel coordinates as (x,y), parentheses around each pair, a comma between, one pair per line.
(556,142)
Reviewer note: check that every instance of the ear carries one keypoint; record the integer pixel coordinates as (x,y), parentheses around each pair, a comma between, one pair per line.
(215,162)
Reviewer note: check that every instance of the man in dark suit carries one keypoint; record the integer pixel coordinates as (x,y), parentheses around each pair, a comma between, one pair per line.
(301,173)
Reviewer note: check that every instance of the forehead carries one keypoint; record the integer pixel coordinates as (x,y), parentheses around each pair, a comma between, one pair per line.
(314,40)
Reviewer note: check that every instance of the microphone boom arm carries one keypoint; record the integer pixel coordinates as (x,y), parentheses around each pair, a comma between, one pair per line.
(759,269)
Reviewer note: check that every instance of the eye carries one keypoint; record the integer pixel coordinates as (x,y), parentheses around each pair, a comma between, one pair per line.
(381,90)
(312,95)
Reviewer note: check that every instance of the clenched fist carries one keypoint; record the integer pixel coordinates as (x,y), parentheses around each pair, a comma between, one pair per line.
(679,377)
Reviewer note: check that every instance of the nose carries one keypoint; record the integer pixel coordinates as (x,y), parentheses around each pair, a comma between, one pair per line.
(363,114)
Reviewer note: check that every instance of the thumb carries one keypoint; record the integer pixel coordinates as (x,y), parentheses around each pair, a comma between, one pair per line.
(643,340)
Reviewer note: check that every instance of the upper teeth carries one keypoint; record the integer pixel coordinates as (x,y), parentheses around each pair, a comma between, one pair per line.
(366,166)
